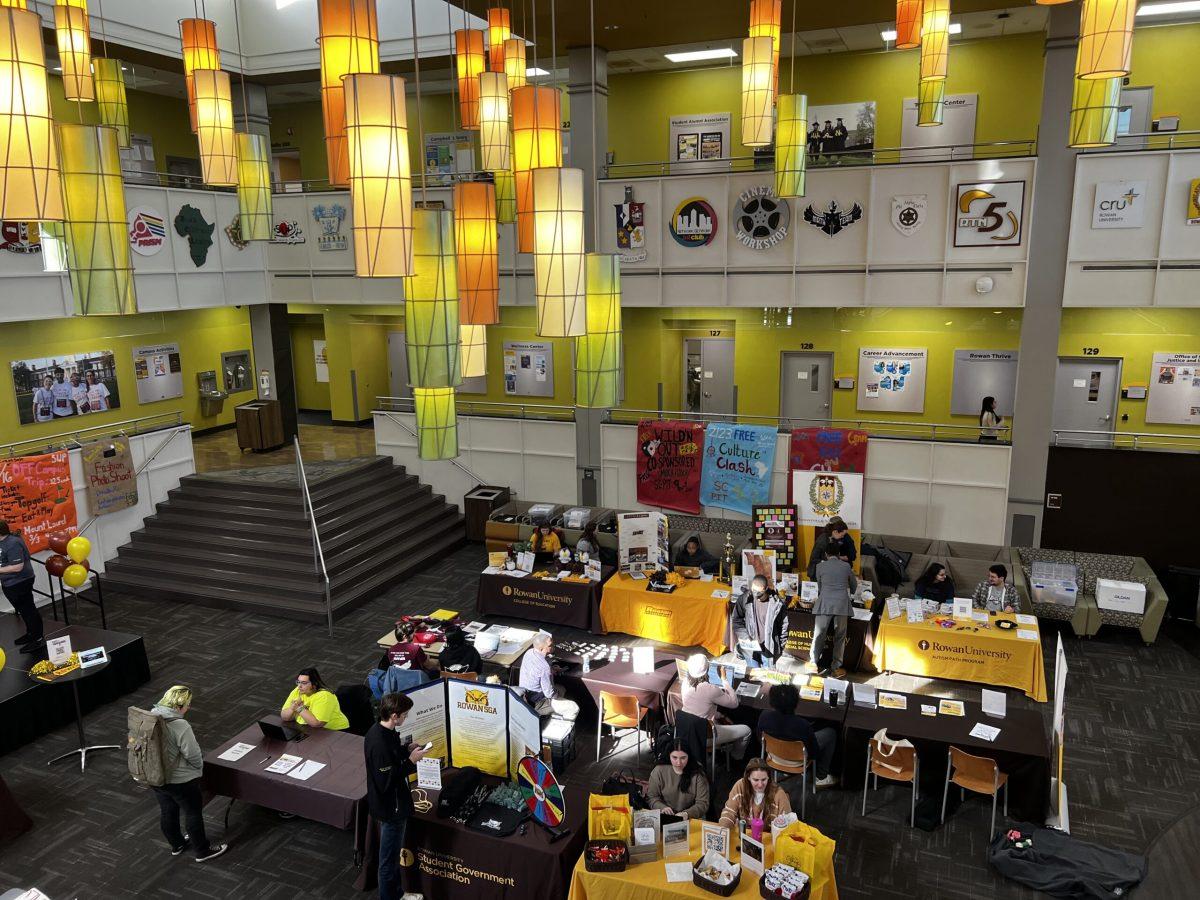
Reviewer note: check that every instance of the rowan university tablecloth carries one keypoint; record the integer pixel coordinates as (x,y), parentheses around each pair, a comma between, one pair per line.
(964,651)
(688,616)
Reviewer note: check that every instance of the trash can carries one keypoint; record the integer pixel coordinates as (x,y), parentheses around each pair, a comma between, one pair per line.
(478,504)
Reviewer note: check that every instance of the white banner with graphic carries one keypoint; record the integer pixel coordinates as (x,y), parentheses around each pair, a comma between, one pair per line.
(426,721)
(820,496)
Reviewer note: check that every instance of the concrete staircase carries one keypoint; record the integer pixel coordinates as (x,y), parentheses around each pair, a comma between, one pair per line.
(240,540)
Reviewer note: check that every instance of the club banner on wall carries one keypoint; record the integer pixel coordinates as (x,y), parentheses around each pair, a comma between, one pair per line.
(36,496)
(669,457)
(826,450)
(73,384)
(1174,389)
(738,460)
(109,476)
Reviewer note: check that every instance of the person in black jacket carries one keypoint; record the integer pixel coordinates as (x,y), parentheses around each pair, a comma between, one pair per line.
(836,535)
(389,763)
(459,656)
(935,584)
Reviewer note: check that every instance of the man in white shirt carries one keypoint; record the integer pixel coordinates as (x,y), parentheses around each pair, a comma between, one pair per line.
(61,389)
(537,681)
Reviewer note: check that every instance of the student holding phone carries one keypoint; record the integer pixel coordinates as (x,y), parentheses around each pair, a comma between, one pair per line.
(390,762)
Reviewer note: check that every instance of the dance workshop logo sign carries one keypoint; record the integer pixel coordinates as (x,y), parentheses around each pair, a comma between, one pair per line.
(761,218)
(834,219)
(989,214)
(908,213)
(631,228)
(147,230)
(694,223)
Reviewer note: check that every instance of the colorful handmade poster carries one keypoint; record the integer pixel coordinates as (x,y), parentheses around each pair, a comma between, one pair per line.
(669,455)
(109,475)
(738,461)
(36,496)
(775,529)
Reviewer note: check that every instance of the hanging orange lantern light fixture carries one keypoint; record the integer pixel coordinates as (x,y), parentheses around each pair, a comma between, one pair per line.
(349,41)
(758,96)
(475,246)
(214,128)
(471,62)
(198,37)
(1105,38)
(765,18)
(537,144)
(499,31)
(908,24)
(559,261)
(74,37)
(935,39)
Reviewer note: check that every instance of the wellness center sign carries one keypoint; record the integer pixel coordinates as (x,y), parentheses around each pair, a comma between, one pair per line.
(669,455)
(738,460)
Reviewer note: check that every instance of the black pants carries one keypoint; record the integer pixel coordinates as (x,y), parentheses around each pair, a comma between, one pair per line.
(173,797)
(20,595)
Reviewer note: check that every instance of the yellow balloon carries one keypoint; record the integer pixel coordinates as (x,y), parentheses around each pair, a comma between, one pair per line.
(2,658)
(78,549)
(75,576)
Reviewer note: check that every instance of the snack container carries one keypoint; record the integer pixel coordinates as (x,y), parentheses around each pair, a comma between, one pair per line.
(597,866)
(770,894)
(721,890)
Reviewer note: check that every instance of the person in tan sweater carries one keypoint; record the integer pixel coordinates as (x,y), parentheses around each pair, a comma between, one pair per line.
(755,796)
(679,788)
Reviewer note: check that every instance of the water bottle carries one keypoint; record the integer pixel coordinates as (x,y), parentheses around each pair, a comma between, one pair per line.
(587,663)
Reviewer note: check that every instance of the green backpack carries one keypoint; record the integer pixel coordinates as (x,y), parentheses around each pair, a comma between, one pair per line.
(147,756)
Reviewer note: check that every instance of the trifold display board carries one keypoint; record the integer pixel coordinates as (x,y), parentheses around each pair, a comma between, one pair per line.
(1174,389)
(471,723)
(642,544)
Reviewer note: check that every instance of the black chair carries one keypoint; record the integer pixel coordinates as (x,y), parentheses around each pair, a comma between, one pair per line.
(355,701)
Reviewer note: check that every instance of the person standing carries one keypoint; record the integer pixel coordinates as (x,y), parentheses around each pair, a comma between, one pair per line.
(835,581)
(989,421)
(16,579)
(97,393)
(389,764)
(43,401)
(79,394)
(183,764)
(759,616)
(836,535)
(63,404)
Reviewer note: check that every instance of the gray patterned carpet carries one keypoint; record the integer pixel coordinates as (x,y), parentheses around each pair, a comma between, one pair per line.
(1132,754)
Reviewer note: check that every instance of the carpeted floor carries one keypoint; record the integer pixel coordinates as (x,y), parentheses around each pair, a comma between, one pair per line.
(1131,752)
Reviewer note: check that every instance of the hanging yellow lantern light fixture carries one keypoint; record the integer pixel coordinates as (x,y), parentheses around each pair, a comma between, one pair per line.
(514,63)
(431,316)
(96,229)
(475,246)
(472,349)
(380,176)
(198,37)
(791,145)
(536,144)
(559,261)
(471,62)
(110,97)
(437,423)
(74,37)
(1095,109)
(506,197)
(214,128)
(935,39)
(765,21)
(1105,38)
(495,149)
(349,41)
(254,187)
(908,24)
(30,185)
(499,31)
(757,93)
(931,97)
(598,353)
(14,4)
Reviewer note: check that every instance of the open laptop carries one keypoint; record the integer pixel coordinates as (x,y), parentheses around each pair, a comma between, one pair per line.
(275,732)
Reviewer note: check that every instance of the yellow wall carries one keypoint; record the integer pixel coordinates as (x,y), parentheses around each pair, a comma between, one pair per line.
(356,340)
(1162,58)
(519,323)
(310,393)
(203,335)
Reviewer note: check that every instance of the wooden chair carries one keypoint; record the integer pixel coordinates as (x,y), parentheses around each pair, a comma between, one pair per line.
(619,711)
(790,758)
(977,774)
(902,765)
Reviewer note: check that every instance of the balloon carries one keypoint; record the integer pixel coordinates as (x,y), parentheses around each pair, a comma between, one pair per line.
(75,576)
(56,565)
(1,659)
(78,548)
(58,541)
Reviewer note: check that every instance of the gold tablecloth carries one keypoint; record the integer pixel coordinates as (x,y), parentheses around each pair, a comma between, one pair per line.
(688,616)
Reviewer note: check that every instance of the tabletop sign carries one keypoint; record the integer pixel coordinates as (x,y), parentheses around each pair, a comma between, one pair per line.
(429,773)
(675,839)
(962,607)
(995,703)
(592,569)
(643,660)
(893,607)
(752,854)
(526,561)
(497,558)
(714,837)
(59,649)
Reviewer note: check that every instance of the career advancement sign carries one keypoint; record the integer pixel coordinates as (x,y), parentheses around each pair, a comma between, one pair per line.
(738,462)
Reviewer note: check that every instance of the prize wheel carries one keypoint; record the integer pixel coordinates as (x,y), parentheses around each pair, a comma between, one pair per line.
(540,789)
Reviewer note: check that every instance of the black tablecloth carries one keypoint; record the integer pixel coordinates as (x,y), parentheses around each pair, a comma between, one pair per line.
(858,655)
(543,600)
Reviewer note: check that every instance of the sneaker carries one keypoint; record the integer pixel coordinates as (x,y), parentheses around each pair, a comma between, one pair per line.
(839,672)
(214,850)
(810,668)
(285,815)
(22,640)
(176,851)
(34,647)
(827,782)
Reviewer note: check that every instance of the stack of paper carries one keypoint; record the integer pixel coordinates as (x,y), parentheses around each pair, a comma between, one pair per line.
(306,770)
(985,732)
(864,695)
(284,764)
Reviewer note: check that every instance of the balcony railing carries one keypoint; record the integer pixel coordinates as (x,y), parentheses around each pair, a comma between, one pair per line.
(71,440)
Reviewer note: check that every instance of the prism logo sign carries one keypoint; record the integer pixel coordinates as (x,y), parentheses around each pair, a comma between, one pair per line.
(694,223)
(147,230)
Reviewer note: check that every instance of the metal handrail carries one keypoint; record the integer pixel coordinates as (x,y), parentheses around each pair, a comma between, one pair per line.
(66,439)
(453,460)
(311,515)
(1133,440)
(483,407)
(137,474)
(431,181)
(1155,140)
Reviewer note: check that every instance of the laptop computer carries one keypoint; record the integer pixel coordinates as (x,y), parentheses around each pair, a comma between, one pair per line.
(275,732)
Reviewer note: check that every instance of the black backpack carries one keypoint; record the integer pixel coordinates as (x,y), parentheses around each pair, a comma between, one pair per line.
(624,783)
(661,749)
(890,566)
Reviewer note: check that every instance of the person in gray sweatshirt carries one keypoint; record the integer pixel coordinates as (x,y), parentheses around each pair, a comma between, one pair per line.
(184,764)
(835,581)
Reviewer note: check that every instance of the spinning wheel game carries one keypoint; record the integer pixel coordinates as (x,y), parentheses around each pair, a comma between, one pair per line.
(542,794)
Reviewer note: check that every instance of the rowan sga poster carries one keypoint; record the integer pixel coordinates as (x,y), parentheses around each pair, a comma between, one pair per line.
(669,458)
(37,497)
(738,462)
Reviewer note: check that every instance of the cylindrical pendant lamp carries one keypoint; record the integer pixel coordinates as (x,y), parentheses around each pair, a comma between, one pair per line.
(254,187)
(931,96)
(214,128)
(110,97)
(514,62)
(1095,110)
(598,353)
(908,24)
(472,344)
(935,39)
(791,145)
(499,31)
(537,144)
(471,61)
(437,423)
(757,94)
(74,49)
(198,37)
(431,317)
(97,231)
(30,186)
(349,41)
(14,4)
(506,197)
(559,261)
(765,22)
(380,177)
(495,148)
(1105,38)
(475,246)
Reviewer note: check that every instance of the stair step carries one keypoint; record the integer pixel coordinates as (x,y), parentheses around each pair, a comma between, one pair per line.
(227,527)
(279,582)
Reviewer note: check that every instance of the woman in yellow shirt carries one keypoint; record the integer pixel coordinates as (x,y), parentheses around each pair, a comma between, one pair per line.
(311,704)
(545,540)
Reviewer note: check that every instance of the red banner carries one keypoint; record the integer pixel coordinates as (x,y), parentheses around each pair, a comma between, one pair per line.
(828,450)
(669,458)
(36,496)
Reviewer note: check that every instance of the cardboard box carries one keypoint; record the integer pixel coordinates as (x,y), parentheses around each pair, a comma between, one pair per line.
(1121,596)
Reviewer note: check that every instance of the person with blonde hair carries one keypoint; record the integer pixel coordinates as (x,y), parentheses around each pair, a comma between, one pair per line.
(183,763)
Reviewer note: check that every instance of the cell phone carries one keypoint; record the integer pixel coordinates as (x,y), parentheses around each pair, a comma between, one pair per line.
(427,747)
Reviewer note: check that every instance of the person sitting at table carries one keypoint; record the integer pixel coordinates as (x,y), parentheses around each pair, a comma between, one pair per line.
(406,652)
(994,593)
(935,584)
(389,763)
(836,535)
(755,797)
(678,787)
(702,698)
(545,541)
(459,655)
(831,612)
(311,704)
(759,615)
(781,721)
(588,542)
(694,556)
(537,681)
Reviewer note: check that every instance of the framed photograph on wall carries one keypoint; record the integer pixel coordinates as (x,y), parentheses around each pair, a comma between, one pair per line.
(65,385)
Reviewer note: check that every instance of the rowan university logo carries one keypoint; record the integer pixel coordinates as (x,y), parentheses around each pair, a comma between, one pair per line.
(506,590)
(923,645)
(826,495)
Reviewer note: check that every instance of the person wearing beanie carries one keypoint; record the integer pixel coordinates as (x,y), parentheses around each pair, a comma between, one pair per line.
(459,655)
(702,698)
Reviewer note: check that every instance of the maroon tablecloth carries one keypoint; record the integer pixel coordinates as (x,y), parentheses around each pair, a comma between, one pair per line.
(618,677)
(858,655)
(543,600)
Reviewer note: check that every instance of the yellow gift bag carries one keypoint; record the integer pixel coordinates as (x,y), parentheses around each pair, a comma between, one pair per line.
(803,847)
(609,818)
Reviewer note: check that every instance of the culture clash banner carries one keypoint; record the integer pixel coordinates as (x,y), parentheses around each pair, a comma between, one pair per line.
(109,476)
(36,496)
(738,460)
(669,457)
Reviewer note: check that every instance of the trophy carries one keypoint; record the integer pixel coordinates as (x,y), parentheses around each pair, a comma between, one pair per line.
(728,562)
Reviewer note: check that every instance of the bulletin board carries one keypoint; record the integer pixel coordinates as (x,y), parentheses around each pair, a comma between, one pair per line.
(158,372)
(984,373)
(1174,389)
(891,379)
(529,368)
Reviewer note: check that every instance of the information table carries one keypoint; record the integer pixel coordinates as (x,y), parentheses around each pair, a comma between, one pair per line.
(688,616)
(617,676)
(968,651)
(544,600)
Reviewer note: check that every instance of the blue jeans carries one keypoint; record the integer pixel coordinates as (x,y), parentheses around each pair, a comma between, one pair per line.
(391,843)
